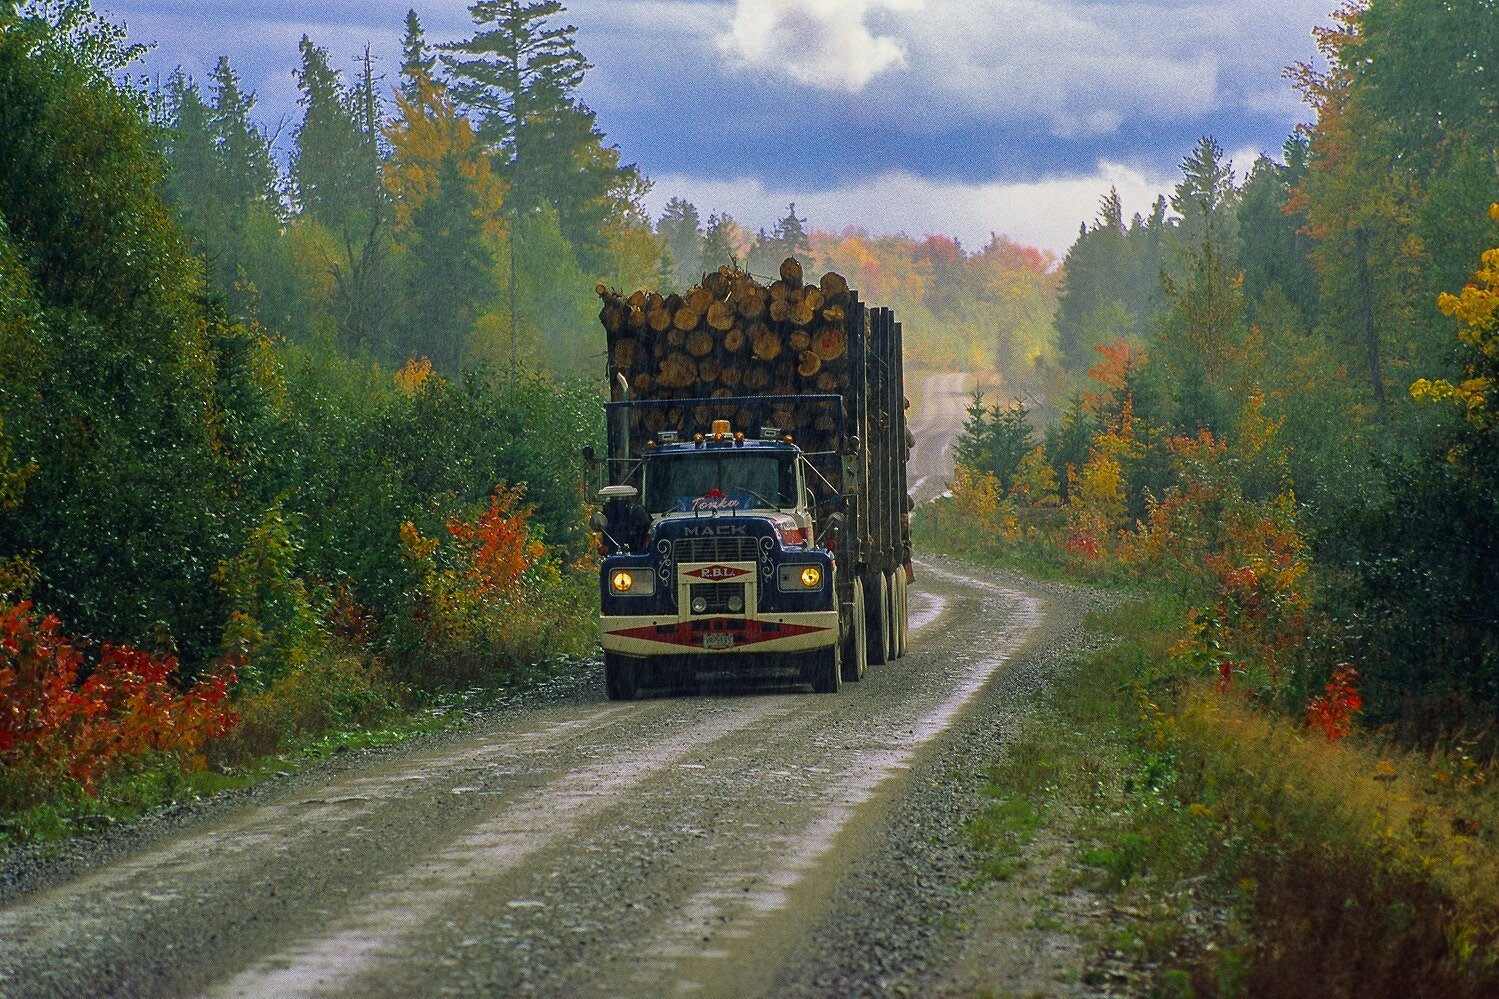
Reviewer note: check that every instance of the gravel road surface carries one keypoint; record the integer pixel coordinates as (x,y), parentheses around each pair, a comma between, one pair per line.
(936,423)
(741,841)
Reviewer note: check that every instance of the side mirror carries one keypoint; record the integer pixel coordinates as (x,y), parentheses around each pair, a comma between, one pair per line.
(618,492)
(853,445)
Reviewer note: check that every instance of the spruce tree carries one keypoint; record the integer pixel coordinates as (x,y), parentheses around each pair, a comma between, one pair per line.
(247,174)
(417,61)
(682,230)
(519,75)
(336,167)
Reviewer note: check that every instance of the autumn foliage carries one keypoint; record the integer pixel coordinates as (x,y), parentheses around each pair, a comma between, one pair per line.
(69,717)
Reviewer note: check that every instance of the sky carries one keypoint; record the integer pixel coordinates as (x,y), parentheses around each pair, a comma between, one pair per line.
(953,117)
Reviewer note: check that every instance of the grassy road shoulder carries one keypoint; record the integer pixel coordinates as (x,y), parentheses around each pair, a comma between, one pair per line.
(1162,838)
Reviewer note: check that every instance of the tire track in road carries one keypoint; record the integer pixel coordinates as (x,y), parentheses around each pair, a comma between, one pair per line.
(410,897)
(642,849)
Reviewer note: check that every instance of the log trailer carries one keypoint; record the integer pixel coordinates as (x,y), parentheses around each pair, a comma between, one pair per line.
(756,515)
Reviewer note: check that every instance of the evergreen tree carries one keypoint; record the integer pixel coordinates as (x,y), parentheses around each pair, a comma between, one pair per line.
(191,149)
(246,175)
(682,229)
(718,246)
(449,232)
(995,440)
(519,73)
(417,60)
(330,152)
(336,166)
(787,239)
(451,268)
(1205,199)
(1274,248)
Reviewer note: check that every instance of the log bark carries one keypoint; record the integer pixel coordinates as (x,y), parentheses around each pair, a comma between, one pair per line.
(637,318)
(624,353)
(612,315)
(716,283)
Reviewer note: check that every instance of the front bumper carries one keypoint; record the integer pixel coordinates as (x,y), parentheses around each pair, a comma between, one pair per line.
(659,635)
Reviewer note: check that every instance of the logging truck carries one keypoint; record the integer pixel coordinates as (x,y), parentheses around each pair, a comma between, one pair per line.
(755,517)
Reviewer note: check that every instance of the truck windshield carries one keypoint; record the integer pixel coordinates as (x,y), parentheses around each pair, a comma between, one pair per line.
(723,480)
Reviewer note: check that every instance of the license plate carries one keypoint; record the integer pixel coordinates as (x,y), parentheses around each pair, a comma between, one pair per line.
(718,640)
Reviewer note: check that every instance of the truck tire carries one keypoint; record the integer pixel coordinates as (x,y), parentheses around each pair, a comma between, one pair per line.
(855,643)
(826,671)
(903,614)
(877,619)
(620,680)
(897,614)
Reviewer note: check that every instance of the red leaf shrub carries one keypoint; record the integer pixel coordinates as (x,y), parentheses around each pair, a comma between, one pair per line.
(54,727)
(1331,713)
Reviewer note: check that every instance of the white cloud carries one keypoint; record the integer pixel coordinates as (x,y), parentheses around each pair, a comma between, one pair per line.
(1044,213)
(828,44)
(1086,68)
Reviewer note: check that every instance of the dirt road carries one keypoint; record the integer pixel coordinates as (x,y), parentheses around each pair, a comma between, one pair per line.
(936,423)
(678,845)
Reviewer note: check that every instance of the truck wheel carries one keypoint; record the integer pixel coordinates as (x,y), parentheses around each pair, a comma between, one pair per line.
(826,672)
(877,618)
(897,614)
(619,677)
(856,644)
(903,612)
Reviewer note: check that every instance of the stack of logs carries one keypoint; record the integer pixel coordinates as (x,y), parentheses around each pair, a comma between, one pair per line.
(732,336)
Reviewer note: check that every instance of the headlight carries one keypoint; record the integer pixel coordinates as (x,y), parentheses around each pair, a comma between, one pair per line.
(736,604)
(699,605)
(801,578)
(635,582)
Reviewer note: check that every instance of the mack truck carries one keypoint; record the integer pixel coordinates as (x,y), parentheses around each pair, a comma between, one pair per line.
(755,517)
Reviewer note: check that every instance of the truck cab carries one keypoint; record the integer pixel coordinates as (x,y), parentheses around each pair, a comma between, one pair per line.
(712,550)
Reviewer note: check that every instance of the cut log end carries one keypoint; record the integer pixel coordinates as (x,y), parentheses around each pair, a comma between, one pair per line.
(791,272)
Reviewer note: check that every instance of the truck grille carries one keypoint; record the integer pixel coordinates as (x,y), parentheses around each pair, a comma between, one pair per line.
(717,595)
(736,549)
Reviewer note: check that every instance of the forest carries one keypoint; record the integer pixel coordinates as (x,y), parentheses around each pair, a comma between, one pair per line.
(269,465)
(268,460)
(1287,378)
